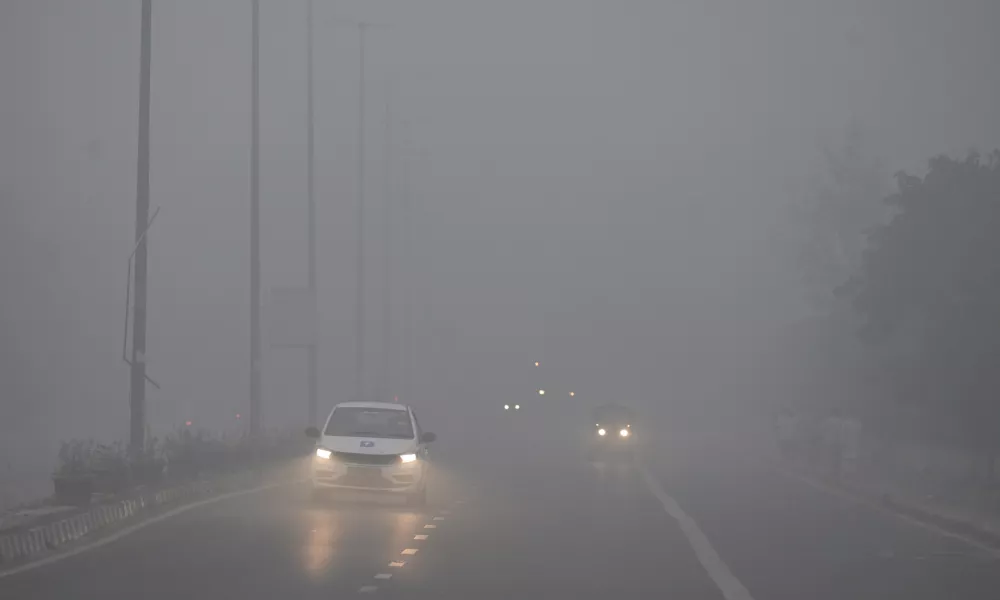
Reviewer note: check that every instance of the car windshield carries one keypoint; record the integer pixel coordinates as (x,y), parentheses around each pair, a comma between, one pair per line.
(612,415)
(370,422)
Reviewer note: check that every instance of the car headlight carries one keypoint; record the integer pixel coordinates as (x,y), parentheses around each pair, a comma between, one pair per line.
(407,458)
(624,432)
(517,407)
(323,453)
(601,432)
(506,406)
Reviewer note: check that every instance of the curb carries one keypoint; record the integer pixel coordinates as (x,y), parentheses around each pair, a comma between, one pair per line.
(23,545)
(946,523)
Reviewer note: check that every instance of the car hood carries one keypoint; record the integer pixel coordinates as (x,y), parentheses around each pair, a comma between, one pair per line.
(365,445)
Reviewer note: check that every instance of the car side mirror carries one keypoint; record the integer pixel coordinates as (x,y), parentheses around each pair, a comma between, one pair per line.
(428,437)
(312,432)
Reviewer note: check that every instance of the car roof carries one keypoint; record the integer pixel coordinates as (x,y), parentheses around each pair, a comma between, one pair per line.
(382,405)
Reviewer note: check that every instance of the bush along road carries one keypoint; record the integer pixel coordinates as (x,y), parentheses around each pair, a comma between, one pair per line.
(189,467)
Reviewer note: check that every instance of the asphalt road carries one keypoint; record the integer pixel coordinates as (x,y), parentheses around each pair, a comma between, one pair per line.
(527,523)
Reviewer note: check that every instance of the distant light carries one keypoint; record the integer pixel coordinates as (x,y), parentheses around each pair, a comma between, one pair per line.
(536,363)
(237,415)
(572,393)
(541,392)
(517,407)
(188,423)
(395,398)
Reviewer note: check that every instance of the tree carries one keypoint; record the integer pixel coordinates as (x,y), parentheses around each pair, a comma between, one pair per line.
(928,290)
(837,217)
(832,224)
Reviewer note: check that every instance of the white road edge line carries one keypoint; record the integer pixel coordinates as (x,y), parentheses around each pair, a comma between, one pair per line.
(133,528)
(728,584)
(851,498)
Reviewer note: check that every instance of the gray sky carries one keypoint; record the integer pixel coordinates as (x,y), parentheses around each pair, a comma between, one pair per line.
(596,183)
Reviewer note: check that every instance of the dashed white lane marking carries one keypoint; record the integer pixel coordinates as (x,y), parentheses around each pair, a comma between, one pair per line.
(133,528)
(723,578)
(445,512)
(398,564)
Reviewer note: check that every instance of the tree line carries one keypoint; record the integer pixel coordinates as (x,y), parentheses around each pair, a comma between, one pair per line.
(903,278)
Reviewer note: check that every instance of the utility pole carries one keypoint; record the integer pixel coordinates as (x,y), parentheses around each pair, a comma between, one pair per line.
(137,379)
(360,309)
(407,279)
(255,225)
(310,175)
(387,244)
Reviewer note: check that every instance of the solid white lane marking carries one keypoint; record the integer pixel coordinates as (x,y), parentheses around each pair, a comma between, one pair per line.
(430,526)
(368,589)
(384,576)
(420,537)
(723,578)
(133,528)
(409,551)
(396,564)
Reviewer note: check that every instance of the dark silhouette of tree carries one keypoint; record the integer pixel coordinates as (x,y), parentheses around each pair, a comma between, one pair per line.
(928,290)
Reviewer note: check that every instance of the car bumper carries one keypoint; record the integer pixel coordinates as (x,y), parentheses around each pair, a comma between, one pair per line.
(393,479)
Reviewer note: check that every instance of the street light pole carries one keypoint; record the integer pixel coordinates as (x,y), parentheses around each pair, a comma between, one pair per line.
(360,308)
(386,233)
(310,185)
(404,264)
(255,354)
(137,380)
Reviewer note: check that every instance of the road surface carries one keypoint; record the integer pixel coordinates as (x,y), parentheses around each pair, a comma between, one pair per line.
(526,524)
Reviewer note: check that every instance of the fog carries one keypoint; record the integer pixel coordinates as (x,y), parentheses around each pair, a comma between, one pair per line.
(600,186)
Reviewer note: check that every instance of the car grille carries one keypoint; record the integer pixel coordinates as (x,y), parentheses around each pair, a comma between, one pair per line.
(366,459)
(368,478)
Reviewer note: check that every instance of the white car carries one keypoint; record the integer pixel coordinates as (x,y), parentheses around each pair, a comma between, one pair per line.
(372,447)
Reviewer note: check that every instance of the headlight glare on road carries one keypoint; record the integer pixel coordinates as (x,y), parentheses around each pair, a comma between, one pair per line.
(624,433)
(601,432)
(407,458)
(323,453)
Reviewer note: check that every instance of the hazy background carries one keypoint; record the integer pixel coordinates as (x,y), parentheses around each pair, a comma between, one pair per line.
(602,186)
